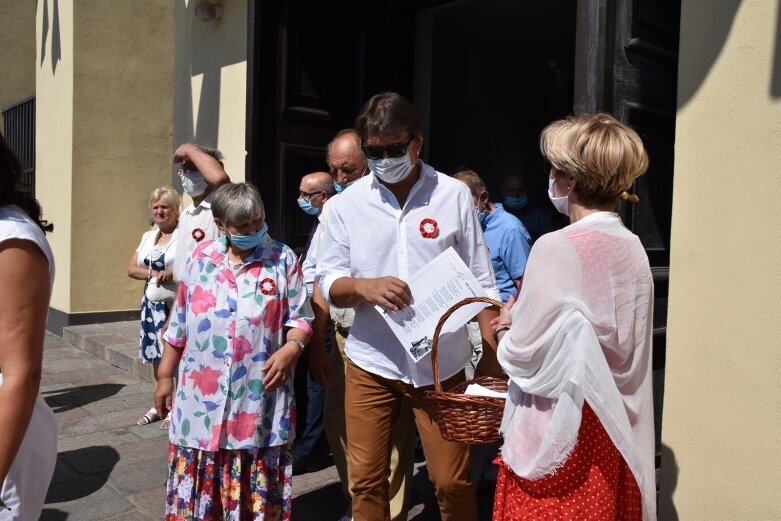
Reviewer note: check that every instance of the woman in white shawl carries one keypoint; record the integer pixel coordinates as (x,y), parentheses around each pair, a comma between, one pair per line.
(578,424)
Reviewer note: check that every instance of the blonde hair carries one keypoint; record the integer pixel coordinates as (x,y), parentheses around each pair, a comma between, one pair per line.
(167,195)
(603,155)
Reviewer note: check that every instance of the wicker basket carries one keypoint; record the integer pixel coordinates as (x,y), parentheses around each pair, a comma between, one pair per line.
(464,418)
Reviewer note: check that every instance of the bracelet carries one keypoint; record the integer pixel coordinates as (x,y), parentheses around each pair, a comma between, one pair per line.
(301,344)
(502,329)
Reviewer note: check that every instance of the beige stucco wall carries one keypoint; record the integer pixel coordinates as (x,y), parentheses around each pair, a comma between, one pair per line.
(17,51)
(210,83)
(104,141)
(54,135)
(722,420)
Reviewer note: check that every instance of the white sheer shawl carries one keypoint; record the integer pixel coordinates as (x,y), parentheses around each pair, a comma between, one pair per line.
(582,331)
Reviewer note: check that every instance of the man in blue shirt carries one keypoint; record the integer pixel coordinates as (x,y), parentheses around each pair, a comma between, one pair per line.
(507,239)
(508,244)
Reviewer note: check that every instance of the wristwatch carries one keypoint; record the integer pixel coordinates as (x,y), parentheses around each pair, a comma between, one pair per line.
(301,344)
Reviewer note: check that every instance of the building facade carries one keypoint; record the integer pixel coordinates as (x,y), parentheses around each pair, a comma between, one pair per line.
(120,84)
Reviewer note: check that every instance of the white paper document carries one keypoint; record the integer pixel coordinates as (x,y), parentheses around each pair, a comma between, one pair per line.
(479,390)
(438,285)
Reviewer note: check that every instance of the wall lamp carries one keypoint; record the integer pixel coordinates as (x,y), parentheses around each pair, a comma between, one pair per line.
(207,11)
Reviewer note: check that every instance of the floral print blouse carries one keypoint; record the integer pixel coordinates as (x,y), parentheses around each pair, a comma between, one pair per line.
(228,323)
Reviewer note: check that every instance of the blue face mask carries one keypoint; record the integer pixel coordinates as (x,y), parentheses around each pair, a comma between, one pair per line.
(306,205)
(481,217)
(249,242)
(340,188)
(516,203)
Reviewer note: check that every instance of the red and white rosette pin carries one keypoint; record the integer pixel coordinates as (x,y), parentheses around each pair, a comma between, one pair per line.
(268,287)
(198,234)
(429,228)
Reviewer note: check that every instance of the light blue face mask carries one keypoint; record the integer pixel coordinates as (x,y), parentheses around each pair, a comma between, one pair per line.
(481,217)
(340,188)
(249,242)
(306,205)
(516,203)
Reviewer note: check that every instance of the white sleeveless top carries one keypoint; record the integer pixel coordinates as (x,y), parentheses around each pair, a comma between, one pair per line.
(15,224)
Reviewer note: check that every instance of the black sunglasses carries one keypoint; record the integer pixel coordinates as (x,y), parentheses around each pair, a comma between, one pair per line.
(393,150)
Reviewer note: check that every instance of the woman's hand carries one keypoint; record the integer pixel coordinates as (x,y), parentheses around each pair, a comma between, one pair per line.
(164,393)
(389,292)
(164,277)
(503,320)
(280,366)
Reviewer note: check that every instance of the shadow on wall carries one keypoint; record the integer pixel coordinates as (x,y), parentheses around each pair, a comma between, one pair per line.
(203,49)
(668,481)
(55,33)
(775,81)
(708,45)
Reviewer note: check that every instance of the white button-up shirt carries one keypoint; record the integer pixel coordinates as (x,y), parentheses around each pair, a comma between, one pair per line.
(196,225)
(369,235)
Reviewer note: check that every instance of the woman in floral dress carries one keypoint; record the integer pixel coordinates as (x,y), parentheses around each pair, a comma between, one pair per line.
(236,332)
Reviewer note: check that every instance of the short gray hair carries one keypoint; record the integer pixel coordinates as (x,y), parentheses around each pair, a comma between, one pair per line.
(235,203)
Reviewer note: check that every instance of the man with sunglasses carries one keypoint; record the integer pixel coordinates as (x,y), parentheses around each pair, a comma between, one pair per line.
(347,164)
(389,225)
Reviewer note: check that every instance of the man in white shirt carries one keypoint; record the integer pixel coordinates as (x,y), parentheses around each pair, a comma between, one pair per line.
(201,173)
(347,164)
(390,224)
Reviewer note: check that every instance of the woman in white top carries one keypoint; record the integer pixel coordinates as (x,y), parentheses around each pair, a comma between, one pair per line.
(153,262)
(578,424)
(28,445)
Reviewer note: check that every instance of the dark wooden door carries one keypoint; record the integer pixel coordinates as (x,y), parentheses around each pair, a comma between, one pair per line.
(626,64)
(312,65)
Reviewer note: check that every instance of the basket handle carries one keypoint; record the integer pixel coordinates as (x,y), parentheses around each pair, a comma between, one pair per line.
(441,324)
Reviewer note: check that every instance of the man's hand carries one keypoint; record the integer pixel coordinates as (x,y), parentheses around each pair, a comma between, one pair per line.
(320,364)
(182,154)
(389,292)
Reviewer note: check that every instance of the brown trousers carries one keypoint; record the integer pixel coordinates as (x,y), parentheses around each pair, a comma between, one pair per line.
(402,444)
(373,407)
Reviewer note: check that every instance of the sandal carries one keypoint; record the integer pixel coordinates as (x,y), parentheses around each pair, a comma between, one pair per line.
(166,423)
(149,417)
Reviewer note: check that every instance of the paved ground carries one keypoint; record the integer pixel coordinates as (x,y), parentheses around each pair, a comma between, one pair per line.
(110,469)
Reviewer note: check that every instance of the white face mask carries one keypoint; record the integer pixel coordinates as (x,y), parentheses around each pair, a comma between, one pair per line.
(193,182)
(561,203)
(393,169)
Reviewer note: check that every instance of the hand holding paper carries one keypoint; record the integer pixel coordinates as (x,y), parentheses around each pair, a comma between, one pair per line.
(435,288)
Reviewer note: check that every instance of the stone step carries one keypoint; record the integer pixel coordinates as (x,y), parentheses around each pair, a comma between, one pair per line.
(114,342)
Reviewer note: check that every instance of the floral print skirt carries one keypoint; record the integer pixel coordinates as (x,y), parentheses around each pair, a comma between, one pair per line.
(244,484)
(594,483)
(153,318)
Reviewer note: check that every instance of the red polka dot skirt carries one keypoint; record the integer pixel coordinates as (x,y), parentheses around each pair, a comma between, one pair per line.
(594,483)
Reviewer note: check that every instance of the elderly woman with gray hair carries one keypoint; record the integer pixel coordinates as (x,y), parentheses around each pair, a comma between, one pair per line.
(236,332)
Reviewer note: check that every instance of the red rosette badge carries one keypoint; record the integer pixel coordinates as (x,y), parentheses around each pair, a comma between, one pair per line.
(429,228)
(198,234)
(268,287)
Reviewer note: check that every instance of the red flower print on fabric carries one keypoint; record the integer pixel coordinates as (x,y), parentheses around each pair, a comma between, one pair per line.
(268,286)
(202,300)
(198,234)
(243,425)
(429,228)
(207,380)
